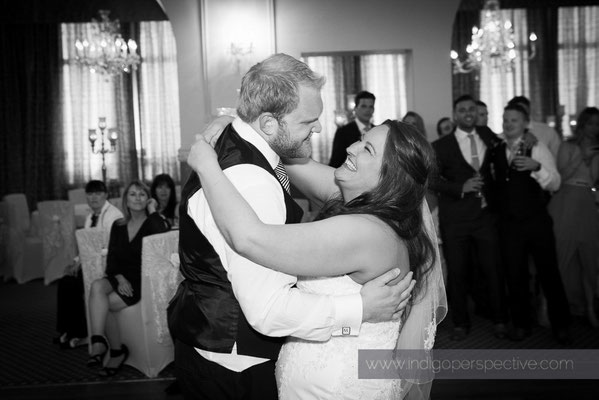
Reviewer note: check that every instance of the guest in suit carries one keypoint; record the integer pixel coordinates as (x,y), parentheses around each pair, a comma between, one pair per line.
(467,225)
(70,303)
(121,287)
(352,132)
(519,177)
(542,131)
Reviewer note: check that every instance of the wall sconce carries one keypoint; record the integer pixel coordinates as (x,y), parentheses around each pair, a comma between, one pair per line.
(240,50)
(103,150)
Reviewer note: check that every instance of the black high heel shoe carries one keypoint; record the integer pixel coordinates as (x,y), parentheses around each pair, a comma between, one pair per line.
(97,360)
(107,372)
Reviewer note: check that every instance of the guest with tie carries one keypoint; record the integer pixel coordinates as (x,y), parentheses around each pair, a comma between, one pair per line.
(520,175)
(352,132)
(468,227)
(70,304)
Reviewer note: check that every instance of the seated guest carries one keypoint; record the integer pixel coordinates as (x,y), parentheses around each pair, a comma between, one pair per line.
(519,175)
(70,304)
(414,119)
(121,287)
(163,190)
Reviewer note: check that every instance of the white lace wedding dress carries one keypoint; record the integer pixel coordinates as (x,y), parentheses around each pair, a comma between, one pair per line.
(329,370)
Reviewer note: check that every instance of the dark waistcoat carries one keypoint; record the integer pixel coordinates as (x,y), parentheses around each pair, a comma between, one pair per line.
(518,195)
(204,313)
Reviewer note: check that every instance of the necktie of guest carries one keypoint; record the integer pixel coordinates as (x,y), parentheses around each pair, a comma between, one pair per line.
(282,176)
(475,162)
(94,220)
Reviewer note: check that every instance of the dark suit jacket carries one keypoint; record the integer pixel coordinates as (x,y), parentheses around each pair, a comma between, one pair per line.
(453,171)
(344,137)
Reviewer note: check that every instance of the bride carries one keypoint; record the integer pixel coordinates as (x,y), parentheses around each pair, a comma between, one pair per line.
(378,221)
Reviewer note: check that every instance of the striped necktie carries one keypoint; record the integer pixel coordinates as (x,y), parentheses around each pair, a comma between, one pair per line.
(282,176)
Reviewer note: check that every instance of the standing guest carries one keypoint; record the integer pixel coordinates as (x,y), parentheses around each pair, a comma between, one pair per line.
(542,131)
(163,190)
(468,227)
(70,303)
(482,114)
(352,132)
(445,126)
(519,177)
(413,118)
(121,287)
(574,215)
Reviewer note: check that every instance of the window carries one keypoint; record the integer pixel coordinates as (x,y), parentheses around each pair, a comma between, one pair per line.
(384,75)
(143,107)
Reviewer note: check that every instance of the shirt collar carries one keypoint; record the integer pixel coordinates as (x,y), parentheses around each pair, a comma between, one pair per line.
(462,135)
(361,125)
(249,134)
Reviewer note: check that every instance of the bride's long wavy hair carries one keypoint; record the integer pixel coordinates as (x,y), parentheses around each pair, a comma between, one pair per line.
(408,164)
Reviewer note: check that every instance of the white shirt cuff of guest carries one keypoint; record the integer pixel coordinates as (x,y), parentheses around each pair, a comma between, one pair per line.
(347,320)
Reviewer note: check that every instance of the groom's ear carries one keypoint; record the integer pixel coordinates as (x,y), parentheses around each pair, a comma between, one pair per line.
(268,124)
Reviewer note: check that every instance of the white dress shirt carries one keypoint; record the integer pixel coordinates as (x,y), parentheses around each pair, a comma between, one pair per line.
(547,177)
(106,218)
(363,127)
(268,299)
(546,135)
(464,143)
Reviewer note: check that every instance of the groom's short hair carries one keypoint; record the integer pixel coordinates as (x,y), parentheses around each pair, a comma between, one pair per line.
(272,86)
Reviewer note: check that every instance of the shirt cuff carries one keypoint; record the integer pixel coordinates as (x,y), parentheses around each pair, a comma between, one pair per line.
(348,315)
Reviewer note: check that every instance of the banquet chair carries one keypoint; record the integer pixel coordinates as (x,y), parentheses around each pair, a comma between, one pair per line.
(93,244)
(25,252)
(57,230)
(142,326)
(159,281)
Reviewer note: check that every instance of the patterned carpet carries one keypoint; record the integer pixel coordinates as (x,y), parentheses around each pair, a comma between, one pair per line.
(28,357)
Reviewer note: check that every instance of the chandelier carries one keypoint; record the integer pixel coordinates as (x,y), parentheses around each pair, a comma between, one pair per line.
(492,44)
(106,52)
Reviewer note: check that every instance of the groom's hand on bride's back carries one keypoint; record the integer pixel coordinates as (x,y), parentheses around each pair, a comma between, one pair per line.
(384,298)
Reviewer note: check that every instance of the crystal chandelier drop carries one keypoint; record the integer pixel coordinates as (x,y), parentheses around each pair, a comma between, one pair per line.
(492,44)
(106,52)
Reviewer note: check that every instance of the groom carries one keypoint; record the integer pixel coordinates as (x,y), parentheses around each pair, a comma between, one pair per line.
(230,316)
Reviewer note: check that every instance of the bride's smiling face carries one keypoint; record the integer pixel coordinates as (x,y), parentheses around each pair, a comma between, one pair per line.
(361,170)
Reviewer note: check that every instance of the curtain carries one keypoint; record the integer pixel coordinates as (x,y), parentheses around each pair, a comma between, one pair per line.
(332,98)
(160,134)
(578,51)
(498,85)
(29,72)
(85,97)
(384,75)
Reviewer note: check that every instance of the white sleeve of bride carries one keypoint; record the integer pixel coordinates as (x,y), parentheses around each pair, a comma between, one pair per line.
(428,309)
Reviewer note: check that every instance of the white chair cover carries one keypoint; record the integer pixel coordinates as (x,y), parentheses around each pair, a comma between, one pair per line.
(140,326)
(160,279)
(57,230)
(25,257)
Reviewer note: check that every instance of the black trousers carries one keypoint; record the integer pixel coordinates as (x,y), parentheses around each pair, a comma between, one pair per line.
(70,306)
(533,236)
(203,379)
(479,240)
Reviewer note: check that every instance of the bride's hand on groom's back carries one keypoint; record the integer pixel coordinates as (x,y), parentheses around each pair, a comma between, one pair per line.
(384,298)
